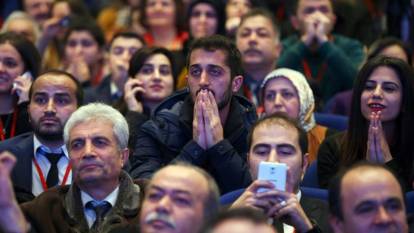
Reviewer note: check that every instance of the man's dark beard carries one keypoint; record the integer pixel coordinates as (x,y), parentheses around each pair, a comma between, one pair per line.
(226,99)
(47,135)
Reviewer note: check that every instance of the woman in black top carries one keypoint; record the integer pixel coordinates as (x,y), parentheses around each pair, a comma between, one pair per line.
(380,124)
(151,81)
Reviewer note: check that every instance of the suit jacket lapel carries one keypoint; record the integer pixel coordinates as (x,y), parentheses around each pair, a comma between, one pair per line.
(22,172)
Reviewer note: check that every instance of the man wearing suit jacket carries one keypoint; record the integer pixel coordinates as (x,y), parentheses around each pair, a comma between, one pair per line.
(42,157)
(278,139)
(102,196)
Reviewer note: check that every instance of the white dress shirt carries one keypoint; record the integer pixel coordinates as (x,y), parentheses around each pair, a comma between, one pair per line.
(90,214)
(44,165)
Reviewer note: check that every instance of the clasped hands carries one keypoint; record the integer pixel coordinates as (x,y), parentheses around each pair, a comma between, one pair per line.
(317,28)
(378,150)
(207,128)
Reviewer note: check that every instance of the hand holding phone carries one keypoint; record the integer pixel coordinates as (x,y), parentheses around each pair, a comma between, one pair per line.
(21,86)
(273,172)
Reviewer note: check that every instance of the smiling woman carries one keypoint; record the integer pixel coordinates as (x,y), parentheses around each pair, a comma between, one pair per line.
(151,81)
(380,124)
(164,22)
(18,56)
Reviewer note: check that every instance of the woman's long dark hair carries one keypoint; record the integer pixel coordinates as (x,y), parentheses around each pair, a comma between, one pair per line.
(137,61)
(354,146)
(379,45)
(140,56)
(179,15)
(27,50)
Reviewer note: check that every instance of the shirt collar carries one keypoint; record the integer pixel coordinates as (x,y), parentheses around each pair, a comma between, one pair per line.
(111,198)
(114,89)
(37,144)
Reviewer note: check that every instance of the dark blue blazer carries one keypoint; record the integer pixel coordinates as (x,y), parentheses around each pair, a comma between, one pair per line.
(100,93)
(22,147)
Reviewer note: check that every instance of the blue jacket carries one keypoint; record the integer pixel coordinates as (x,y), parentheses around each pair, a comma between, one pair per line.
(167,137)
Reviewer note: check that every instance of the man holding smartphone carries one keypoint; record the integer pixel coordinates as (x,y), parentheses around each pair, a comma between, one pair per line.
(279,139)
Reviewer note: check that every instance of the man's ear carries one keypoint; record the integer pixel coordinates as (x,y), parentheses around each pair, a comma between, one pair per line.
(124,156)
(295,22)
(236,83)
(278,50)
(337,225)
(305,164)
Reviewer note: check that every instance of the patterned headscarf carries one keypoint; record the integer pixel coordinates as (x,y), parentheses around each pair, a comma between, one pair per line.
(306,99)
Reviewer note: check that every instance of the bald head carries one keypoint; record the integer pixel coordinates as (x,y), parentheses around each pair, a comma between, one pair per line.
(179,198)
(369,199)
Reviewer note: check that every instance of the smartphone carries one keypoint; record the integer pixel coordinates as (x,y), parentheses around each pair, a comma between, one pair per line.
(138,95)
(273,172)
(26,75)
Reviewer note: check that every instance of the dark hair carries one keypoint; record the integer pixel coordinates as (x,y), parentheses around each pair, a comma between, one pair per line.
(218,8)
(245,213)
(280,118)
(218,42)
(85,24)
(79,88)
(334,196)
(354,143)
(179,12)
(127,35)
(261,12)
(379,45)
(140,56)
(77,8)
(27,50)
(253,3)
(292,6)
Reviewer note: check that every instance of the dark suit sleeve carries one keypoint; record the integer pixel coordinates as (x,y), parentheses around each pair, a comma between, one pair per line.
(135,120)
(224,160)
(221,159)
(146,158)
(328,160)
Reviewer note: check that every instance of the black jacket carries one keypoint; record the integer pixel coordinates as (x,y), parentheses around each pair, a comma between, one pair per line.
(167,137)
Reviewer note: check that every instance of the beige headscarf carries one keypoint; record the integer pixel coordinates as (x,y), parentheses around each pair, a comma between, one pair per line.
(306,99)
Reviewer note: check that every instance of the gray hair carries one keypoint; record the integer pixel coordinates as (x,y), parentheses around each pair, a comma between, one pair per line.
(24,16)
(99,111)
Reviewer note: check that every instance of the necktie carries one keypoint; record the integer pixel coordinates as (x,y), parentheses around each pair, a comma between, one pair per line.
(100,208)
(53,175)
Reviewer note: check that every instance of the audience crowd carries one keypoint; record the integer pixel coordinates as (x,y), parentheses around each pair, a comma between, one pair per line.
(202,116)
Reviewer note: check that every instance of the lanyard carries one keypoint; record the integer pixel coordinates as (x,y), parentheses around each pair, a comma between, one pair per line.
(373,11)
(308,72)
(42,177)
(12,128)
(247,93)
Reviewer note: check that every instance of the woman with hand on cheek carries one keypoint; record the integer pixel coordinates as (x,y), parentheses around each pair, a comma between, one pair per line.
(380,124)
(151,81)
(19,64)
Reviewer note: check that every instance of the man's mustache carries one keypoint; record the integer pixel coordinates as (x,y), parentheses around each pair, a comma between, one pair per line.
(156,216)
